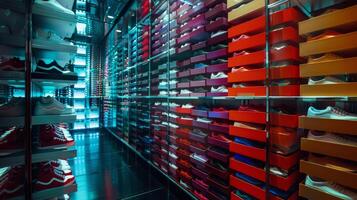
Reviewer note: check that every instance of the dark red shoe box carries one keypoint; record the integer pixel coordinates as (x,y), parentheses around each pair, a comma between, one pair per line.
(219,10)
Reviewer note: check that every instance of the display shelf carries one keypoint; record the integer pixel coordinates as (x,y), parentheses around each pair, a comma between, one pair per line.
(314,194)
(40,44)
(328,125)
(38,120)
(339,150)
(338,89)
(37,156)
(347,179)
(340,43)
(342,19)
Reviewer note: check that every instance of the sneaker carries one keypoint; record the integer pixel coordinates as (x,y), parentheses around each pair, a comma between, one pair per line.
(51,178)
(242,37)
(325,81)
(200,158)
(61,165)
(11,140)
(219,89)
(324,58)
(50,106)
(60,131)
(185,91)
(218,33)
(242,53)
(218,75)
(327,34)
(249,126)
(331,188)
(52,68)
(204,120)
(13,64)
(14,108)
(200,65)
(11,184)
(52,138)
(52,6)
(240,69)
(333,138)
(190,106)
(331,113)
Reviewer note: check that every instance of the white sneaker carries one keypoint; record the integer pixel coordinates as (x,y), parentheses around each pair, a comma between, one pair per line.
(332,189)
(53,6)
(187,118)
(173,105)
(163,93)
(324,81)
(187,106)
(204,120)
(185,91)
(218,75)
(50,106)
(331,113)
(47,34)
(200,158)
(14,108)
(218,33)
(219,89)
(240,69)
(334,138)
(240,38)
(173,92)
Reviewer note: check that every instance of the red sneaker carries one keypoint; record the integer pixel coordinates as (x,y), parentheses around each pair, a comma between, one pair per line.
(51,178)
(13,64)
(11,140)
(50,137)
(11,184)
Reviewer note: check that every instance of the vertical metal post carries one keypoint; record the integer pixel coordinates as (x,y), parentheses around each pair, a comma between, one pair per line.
(28,106)
(267,100)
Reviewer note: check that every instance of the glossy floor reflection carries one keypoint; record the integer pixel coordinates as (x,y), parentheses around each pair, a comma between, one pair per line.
(105,170)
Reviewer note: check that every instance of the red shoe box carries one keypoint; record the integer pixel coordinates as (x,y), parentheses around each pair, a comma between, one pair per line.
(218,172)
(198,9)
(201,174)
(183,74)
(198,186)
(221,23)
(219,10)
(200,124)
(218,143)
(199,45)
(289,90)
(185,165)
(252,134)
(183,154)
(286,72)
(183,143)
(284,162)
(218,156)
(183,63)
(286,16)
(198,138)
(259,174)
(221,187)
(211,3)
(288,52)
(258,41)
(285,120)
(183,110)
(183,85)
(253,190)
(197,150)
(222,128)
(183,133)
(218,39)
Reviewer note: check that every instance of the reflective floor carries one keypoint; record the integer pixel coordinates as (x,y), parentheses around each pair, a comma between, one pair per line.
(105,170)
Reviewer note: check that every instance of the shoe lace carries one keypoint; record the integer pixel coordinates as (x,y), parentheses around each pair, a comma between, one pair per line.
(340,188)
(339,111)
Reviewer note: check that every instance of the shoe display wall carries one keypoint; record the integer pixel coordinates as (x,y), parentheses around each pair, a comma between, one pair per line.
(52,75)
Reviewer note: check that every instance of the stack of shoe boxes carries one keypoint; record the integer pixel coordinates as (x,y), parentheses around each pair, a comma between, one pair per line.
(247,49)
(330,51)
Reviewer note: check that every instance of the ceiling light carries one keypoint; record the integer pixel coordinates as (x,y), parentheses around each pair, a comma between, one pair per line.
(110,17)
(118,31)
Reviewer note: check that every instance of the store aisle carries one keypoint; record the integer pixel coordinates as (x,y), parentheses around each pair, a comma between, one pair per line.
(105,170)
